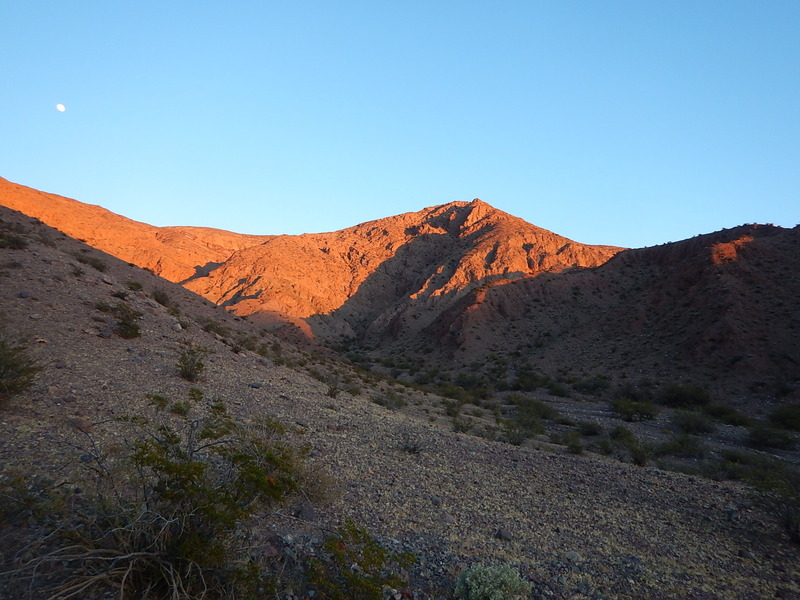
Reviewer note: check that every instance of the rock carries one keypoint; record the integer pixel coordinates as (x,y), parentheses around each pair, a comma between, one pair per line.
(59,364)
(503,535)
(23,295)
(573,557)
(448,518)
(176,327)
(306,513)
(35,316)
(255,384)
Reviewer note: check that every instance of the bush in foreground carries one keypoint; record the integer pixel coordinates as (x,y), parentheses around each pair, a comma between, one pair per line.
(161,521)
(496,582)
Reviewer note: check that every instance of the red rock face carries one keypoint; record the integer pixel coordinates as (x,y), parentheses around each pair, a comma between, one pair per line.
(381,277)
(469,284)
(174,253)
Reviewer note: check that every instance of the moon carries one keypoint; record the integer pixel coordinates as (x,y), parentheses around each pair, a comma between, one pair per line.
(60,107)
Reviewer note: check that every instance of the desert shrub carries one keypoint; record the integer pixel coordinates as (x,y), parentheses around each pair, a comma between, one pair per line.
(726,414)
(190,363)
(162,297)
(684,446)
(134,286)
(161,520)
(634,410)
(12,241)
(491,582)
(93,261)
(762,436)
(590,428)
(684,396)
(411,442)
(17,368)
(528,380)
(622,436)
(786,417)
(637,392)
(126,326)
(692,422)
(529,411)
(356,566)
(391,400)
(591,386)
(462,424)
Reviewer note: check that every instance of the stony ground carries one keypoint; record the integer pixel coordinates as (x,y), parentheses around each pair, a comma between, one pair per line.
(576,526)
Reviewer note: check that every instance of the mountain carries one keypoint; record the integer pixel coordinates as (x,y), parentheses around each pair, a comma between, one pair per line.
(175,253)
(575,526)
(466,287)
(366,280)
(719,310)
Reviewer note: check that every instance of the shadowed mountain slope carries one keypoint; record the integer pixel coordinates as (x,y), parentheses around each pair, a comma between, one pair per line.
(719,309)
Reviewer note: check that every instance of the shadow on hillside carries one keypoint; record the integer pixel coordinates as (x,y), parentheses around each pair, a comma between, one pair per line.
(407,286)
(202,271)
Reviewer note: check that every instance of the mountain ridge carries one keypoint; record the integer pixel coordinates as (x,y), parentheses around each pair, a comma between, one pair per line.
(465,284)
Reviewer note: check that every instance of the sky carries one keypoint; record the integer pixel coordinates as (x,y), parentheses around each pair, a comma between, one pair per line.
(627,123)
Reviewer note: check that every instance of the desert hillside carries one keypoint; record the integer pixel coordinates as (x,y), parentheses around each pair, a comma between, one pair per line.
(574,526)
(174,253)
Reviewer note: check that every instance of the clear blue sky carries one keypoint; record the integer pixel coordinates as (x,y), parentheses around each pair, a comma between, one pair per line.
(620,122)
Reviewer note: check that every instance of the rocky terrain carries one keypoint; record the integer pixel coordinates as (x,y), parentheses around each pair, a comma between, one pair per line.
(463,287)
(576,526)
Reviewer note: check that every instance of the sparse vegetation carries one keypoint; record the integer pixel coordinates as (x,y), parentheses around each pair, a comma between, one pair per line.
(684,396)
(762,436)
(357,567)
(93,261)
(692,422)
(491,582)
(633,410)
(17,368)
(190,363)
(786,417)
(160,522)
(126,326)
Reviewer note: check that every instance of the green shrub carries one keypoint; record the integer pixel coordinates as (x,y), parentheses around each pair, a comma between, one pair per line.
(92,261)
(726,414)
(357,567)
(763,437)
(12,241)
(684,396)
(391,400)
(495,582)
(590,428)
(190,363)
(529,411)
(786,417)
(134,286)
(126,326)
(634,410)
(162,520)
(17,369)
(692,422)
(684,446)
